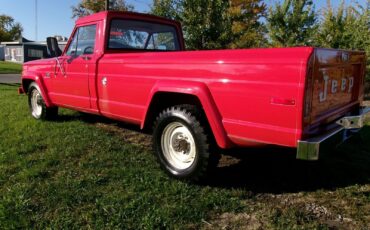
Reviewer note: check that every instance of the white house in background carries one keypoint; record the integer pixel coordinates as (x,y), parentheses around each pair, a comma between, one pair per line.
(25,50)
(2,53)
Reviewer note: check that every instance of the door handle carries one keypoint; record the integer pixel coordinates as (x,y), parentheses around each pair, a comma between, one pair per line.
(104,81)
(86,58)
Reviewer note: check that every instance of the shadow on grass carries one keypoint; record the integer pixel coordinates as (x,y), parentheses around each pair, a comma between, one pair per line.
(10,84)
(275,169)
(93,119)
(367,91)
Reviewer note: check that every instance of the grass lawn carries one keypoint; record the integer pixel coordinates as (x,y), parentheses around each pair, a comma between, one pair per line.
(86,172)
(9,67)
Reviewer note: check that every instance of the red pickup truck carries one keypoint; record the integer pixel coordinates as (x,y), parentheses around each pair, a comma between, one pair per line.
(134,68)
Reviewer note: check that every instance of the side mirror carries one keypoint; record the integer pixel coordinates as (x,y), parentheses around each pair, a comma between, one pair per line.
(53,47)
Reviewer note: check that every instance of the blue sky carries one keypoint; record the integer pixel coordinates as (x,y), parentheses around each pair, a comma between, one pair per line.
(54,16)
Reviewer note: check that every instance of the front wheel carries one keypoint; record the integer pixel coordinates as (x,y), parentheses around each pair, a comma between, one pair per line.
(37,104)
(181,144)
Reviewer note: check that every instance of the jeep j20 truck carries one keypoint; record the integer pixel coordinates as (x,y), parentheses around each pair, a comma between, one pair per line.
(134,68)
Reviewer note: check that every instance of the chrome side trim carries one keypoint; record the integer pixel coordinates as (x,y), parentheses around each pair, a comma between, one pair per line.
(310,149)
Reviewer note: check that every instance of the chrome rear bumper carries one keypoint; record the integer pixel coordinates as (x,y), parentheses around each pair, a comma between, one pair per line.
(310,149)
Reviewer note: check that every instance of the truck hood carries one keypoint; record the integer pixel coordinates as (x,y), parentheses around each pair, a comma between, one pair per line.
(46,61)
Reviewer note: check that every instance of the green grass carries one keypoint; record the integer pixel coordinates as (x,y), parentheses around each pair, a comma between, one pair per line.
(85,172)
(9,67)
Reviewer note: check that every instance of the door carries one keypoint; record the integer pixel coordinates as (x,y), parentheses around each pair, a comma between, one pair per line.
(70,86)
(124,81)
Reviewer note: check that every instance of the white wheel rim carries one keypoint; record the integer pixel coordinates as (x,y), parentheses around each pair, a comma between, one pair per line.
(36,103)
(178,146)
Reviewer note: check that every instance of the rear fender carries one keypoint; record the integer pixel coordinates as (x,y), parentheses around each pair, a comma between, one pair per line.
(39,81)
(201,91)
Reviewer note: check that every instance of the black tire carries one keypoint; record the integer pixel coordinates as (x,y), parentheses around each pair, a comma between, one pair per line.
(190,118)
(43,112)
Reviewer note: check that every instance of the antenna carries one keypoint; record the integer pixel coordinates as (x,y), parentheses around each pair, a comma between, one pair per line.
(36,21)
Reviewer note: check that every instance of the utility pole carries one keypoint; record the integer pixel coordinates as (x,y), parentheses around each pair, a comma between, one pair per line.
(36,21)
(107,5)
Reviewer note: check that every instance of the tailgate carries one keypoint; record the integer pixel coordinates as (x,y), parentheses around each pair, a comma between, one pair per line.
(335,87)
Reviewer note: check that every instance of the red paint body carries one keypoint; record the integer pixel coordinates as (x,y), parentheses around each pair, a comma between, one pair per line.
(250,97)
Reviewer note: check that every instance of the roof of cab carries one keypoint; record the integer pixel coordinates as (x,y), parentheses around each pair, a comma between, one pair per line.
(109,14)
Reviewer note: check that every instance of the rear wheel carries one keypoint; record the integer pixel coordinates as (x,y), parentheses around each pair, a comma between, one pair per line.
(37,104)
(181,143)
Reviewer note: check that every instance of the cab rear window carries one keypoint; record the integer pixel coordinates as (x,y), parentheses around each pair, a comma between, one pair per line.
(141,35)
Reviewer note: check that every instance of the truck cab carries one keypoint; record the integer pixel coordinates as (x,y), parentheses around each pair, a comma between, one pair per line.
(101,35)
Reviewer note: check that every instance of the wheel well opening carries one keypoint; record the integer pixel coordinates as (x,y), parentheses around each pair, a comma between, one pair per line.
(165,100)
(26,83)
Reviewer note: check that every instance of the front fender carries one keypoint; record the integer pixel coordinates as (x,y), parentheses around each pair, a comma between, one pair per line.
(39,81)
(201,91)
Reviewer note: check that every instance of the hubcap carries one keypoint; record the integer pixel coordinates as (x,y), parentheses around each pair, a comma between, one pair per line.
(36,103)
(178,145)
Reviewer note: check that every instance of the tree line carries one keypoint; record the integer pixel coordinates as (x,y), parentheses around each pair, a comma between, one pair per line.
(231,24)
(223,24)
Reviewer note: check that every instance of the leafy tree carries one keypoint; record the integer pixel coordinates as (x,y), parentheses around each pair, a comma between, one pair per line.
(246,28)
(216,24)
(333,27)
(9,29)
(204,23)
(292,23)
(171,9)
(87,7)
(361,33)
(348,27)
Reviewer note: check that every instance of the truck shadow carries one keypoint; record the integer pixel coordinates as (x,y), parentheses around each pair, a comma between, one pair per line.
(275,170)
(266,170)
(367,91)
(10,84)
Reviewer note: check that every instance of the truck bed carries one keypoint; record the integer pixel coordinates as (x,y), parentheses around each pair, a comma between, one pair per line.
(261,95)
(258,93)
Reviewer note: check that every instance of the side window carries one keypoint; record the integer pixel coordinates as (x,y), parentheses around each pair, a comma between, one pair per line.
(73,45)
(83,41)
